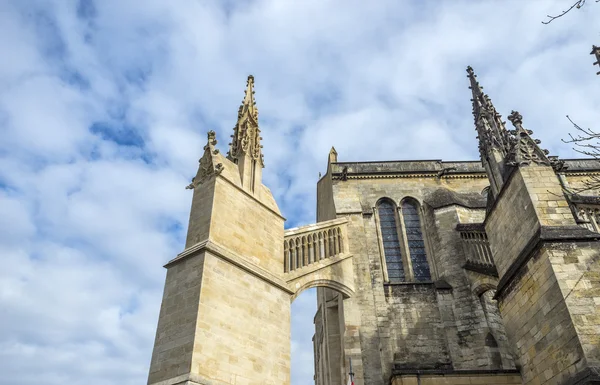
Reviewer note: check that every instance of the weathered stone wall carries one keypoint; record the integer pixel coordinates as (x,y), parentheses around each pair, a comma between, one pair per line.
(462,320)
(537,319)
(511,224)
(548,313)
(413,324)
(330,328)
(243,328)
(200,213)
(175,334)
(464,316)
(547,196)
(220,323)
(247,227)
(325,203)
(577,269)
(416,325)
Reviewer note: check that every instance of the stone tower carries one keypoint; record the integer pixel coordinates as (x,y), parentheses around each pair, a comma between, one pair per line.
(225,313)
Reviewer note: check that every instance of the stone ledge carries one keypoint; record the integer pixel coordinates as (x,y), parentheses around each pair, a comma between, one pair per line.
(409,283)
(188,379)
(588,376)
(482,268)
(234,259)
(470,227)
(460,372)
(442,284)
(314,226)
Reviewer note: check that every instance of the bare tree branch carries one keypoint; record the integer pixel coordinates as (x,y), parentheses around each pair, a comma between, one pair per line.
(578,4)
(587,142)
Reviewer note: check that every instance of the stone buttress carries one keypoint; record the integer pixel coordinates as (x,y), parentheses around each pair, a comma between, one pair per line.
(225,313)
(548,266)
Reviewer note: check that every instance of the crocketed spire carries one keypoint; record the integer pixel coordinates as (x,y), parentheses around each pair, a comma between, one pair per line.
(245,149)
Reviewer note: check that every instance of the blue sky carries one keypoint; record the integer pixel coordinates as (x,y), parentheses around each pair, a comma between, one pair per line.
(104,108)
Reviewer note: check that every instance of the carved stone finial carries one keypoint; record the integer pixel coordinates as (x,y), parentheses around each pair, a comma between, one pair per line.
(333,155)
(515,118)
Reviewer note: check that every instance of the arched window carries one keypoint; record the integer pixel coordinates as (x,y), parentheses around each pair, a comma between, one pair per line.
(391,243)
(414,238)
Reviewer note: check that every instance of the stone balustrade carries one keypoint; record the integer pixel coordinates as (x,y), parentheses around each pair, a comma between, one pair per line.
(587,211)
(310,244)
(477,248)
(588,216)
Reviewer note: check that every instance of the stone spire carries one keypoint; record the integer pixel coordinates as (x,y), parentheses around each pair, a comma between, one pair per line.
(494,138)
(488,122)
(245,149)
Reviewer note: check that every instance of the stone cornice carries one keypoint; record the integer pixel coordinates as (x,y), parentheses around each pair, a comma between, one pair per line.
(580,173)
(314,226)
(433,175)
(233,258)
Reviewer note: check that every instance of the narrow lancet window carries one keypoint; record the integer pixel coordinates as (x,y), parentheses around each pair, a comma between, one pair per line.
(391,242)
(414,237)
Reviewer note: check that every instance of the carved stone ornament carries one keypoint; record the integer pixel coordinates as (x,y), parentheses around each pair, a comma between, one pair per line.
(246,134)
(557,164)
(208,163)
(525,149)
(345,173)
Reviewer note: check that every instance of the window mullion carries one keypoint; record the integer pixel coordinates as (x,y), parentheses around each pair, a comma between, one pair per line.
(403,238)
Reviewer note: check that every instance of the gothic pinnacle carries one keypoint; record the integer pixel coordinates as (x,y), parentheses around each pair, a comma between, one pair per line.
(479,98)
(526,149)
(246,133)
(249,104)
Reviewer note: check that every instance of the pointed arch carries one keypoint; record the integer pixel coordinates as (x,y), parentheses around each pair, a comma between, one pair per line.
(341,287)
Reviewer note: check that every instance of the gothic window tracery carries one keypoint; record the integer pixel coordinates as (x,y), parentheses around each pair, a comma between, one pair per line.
(402,241)
(414,240)
(391,242)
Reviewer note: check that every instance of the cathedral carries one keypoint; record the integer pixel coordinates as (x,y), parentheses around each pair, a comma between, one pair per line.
(427,272)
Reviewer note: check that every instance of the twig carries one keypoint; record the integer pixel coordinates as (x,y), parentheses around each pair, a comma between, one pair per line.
(578,4)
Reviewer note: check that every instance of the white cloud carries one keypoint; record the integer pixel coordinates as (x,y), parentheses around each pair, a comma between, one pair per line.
(87,223)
